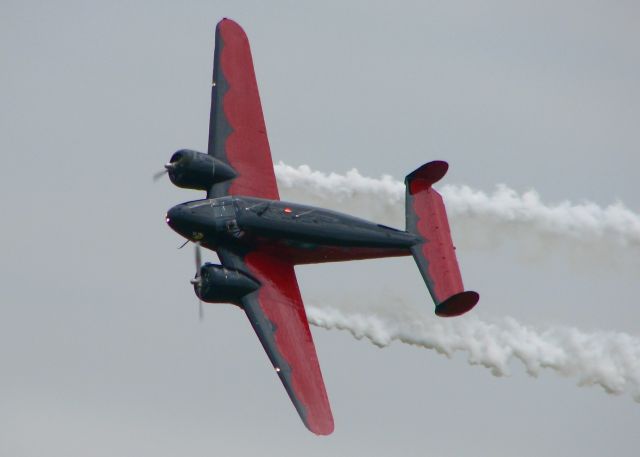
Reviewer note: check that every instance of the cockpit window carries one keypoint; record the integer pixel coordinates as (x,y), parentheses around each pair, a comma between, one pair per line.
(224,210)
(198,203)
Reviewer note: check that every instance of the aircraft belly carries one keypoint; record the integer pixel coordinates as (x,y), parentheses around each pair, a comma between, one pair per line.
(304,242)
(339,234)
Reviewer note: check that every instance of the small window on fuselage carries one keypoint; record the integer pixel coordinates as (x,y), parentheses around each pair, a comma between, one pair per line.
(225,210)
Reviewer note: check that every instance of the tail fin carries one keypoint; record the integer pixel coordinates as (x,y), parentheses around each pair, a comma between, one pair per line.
(435,254)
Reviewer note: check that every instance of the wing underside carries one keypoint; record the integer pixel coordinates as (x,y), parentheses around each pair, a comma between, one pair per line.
(277,315)
(237,132)
(238,137)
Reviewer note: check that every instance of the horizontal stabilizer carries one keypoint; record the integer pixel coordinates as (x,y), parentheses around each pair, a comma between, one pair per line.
(435,254)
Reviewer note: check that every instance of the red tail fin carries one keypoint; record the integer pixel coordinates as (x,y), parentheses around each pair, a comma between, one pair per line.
(435,256)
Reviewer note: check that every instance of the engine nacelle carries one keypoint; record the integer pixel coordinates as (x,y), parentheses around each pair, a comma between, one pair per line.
(223,285)
(196,170)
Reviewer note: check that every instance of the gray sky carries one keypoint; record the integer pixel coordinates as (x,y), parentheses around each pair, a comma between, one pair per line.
(101,351)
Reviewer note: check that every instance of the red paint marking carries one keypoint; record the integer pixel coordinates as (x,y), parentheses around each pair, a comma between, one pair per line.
(439,251)
(280,301)
(418,185)
(247,147)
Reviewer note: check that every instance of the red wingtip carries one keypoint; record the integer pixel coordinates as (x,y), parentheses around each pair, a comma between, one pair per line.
(323,427)
(229,26)
(457,304)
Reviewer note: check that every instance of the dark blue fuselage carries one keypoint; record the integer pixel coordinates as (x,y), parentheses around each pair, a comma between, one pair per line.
(305,234)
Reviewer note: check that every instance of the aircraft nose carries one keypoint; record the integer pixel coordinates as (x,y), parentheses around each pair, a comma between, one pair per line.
(188,221)
(175,216)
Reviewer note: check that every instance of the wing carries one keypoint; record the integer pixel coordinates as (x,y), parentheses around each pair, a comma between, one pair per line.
(277,315)
(237,133)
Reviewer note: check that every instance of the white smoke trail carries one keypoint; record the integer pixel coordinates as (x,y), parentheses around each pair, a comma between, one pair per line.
(477,217)
(608,359)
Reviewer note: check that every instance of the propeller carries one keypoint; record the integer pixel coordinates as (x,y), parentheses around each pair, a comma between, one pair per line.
(167,167)
(197,281)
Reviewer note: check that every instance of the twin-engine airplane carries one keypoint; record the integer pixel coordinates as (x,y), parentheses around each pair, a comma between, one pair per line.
(259,239)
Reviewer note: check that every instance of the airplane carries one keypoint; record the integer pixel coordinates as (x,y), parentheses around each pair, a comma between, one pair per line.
(259,239)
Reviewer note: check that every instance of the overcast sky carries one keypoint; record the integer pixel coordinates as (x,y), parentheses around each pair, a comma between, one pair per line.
(101,351)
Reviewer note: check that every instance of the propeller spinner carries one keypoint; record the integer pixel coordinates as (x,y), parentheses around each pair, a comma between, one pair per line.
(161,173)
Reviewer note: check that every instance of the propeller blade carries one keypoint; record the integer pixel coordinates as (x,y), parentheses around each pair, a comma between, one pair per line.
(198,258)
(198,279)
(159,175)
